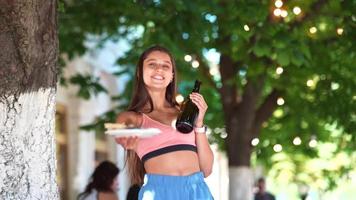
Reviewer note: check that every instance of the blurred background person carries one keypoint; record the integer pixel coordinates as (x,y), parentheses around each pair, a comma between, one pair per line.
(102,184)
(262,194)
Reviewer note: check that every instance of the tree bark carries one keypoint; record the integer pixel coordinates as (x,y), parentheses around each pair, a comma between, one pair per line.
(243,119)
(28,60)
(241,182)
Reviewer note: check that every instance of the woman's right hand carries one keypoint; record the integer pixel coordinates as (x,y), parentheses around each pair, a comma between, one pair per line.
(129,143)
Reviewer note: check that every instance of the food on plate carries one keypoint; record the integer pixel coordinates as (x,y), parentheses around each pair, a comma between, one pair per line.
(111,126)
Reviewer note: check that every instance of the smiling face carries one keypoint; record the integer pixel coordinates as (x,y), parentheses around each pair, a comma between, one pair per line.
(157,70)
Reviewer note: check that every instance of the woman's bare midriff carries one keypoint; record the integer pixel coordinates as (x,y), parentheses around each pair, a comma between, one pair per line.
(177,163)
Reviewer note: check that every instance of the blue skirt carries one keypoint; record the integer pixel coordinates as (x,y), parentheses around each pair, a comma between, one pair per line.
(165,187)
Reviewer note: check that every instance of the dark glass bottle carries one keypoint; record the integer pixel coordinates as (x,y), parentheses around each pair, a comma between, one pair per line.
(189,112)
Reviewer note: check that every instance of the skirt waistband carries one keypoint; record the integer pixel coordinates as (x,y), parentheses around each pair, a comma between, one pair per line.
(157,179)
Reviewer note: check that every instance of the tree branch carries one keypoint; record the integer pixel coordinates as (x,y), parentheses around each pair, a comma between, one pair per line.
(264,112)
(228,72)
(252,92)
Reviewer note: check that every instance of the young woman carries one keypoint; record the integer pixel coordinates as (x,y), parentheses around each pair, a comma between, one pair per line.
(174,164)
(103,183)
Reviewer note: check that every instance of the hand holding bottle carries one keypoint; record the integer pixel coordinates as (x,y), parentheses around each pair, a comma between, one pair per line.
(193,111)
(199,101)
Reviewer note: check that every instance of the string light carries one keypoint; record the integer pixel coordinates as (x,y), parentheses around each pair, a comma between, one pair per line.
(334,86)
(313,143)
(277,12)
(223,135)
(284,13)
(280,101)
(310,83)
(277,148)
(278,3)
(195,64)
(279,70)
(340,31)
(313,30)
(188,58)
(179,98)
(255,141)
(297,10)
(297,141)
(246,28)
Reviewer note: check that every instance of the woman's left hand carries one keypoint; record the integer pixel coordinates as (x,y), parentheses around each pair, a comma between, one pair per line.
(199,101)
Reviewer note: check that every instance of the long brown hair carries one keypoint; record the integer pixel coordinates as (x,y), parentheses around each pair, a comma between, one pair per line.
(101,179)
(140,99)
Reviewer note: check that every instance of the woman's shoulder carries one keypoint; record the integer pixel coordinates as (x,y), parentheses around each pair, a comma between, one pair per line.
(129,118)
(107,196)
(92,195)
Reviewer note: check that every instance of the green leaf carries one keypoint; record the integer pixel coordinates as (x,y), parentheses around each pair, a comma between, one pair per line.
(305,49)
(297,58)
(261,49)
(121,72)
(87,85)
(283,58)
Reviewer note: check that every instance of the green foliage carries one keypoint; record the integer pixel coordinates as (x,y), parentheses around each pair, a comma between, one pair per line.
(248,33)
(88,85)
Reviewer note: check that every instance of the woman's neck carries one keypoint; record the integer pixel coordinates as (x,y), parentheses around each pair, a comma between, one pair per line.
(159,100)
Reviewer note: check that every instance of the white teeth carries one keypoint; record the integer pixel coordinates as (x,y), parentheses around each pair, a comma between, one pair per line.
(158,77)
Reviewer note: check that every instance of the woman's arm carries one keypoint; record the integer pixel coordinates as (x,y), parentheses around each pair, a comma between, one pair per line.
(129,119)
(205,154)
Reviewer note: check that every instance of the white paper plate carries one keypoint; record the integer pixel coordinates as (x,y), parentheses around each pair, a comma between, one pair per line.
(147,132)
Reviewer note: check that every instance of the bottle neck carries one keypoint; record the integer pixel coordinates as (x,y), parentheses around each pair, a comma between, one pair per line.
(196,90)
(196,86)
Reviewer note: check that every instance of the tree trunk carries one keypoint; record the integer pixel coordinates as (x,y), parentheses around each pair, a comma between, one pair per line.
(239,154)
(243,120)
(241,182)
(28,59)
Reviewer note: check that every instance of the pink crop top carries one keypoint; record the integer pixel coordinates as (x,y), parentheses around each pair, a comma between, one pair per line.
(168,140)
